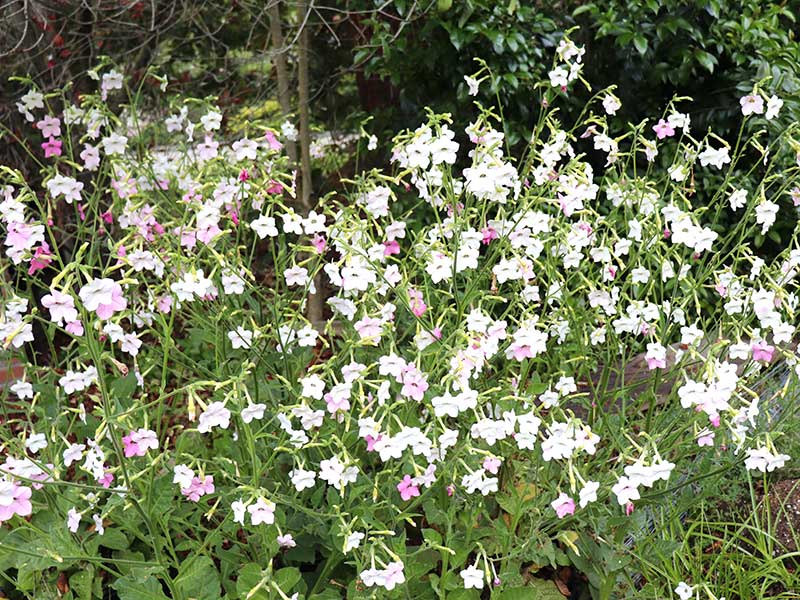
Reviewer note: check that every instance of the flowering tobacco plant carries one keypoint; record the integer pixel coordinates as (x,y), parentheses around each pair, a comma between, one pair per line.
(511,372)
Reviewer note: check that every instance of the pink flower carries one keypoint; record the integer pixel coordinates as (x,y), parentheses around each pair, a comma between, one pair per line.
(137,442)
(407,488)
(198,488)
(418,306)
(244,175)
(164,304)
(369,329)
(563,505)
(41,258)
(437,333)
(451,489)
(491,464)
(49,126)
(489,234)
(706,439)
(414,383)
(319,243)
(106,479)
(14,500)
(663,129)
(52,147)
(108,217)
(104,296)
(392,247)
(274,187)
(273,142)
(75,328)
(371,441)
(337,403)
(762,351)
(629,508)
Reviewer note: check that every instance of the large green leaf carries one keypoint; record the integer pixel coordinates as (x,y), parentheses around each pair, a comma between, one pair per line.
(198,579)
(132,588)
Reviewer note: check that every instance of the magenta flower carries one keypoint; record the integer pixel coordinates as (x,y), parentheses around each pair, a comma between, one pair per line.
(489,234)
(106,479)
(663,129)
(762,351)
(52,147)
(563,505)
(41,258)
(407,488)
(14,500)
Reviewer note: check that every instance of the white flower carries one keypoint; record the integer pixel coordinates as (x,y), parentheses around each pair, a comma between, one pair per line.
(264,226)
(216,415)
(296,275)
(182,475)
(589,493)
(684,590)
(774,105)
(473,577)
(36,442)
(752,104)
(262,511)
(473,85)
(211,120)
(73,520)
(114,144)
(313,387)
(253,411)
(611,104)
(239,509)
(68,187)
(738,199)
(353,541)
(241,337)
(22,389)
(710,156)
(336,474)
(245,149)
(766,212)
(625,490)
(73,453)
(302,479)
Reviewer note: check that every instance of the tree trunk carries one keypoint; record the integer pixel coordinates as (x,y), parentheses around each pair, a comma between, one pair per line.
(314,307)
(279,58)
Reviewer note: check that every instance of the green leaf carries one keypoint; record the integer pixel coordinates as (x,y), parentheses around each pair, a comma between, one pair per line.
(249,584)
(287,578)
(81,583)
(640,42)
(123,388)
(131,588)
(443,5)
(705,59)
(541,589)
(198,579)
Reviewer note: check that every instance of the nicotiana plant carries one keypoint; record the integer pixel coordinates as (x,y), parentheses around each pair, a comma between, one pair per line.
(521,355)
